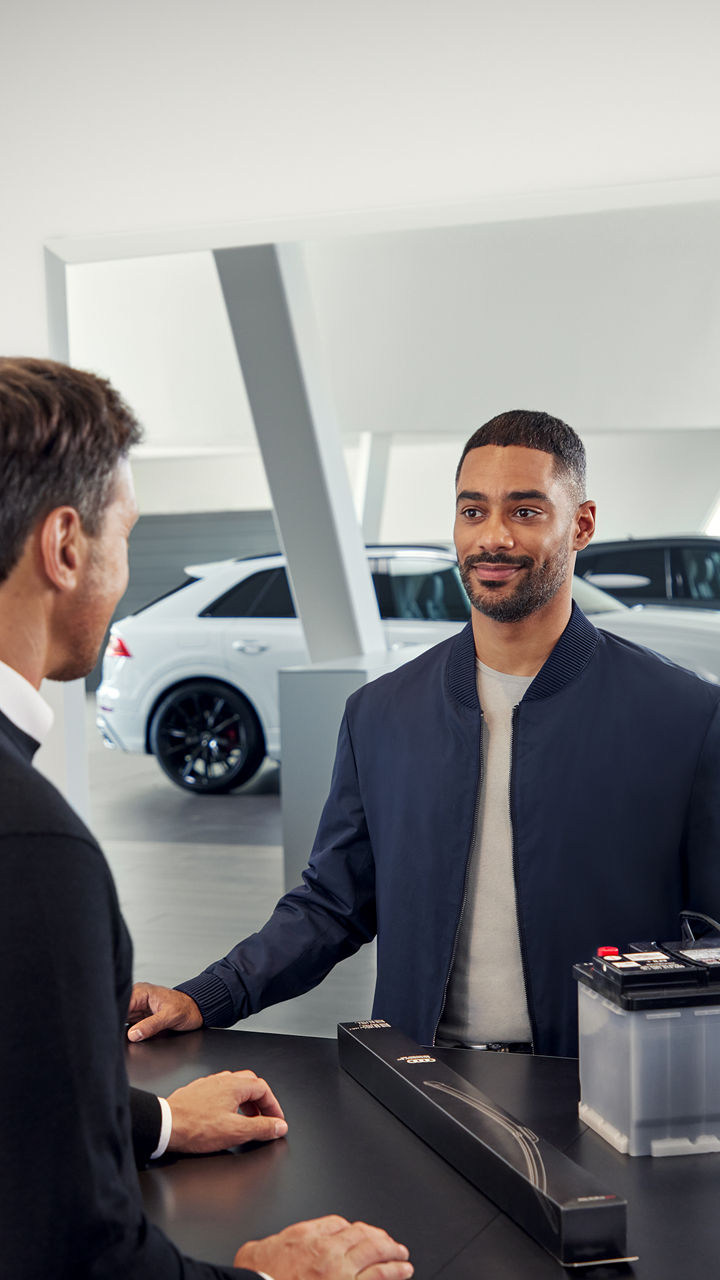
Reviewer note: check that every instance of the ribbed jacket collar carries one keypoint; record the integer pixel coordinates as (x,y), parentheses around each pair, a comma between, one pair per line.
(570,656)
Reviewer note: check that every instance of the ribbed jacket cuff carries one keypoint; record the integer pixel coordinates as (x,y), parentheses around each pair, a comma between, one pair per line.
(212,999)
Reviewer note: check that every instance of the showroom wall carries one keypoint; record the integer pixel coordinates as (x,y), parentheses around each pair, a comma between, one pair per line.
(610,319)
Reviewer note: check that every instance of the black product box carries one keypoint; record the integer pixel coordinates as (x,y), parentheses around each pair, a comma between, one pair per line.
(561,1206)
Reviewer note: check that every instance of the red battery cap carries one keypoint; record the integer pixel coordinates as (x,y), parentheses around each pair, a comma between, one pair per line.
(607,951)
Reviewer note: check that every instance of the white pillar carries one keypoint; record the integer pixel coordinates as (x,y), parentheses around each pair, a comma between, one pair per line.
(63,758)
(278,347)
(271,317)
(378,459)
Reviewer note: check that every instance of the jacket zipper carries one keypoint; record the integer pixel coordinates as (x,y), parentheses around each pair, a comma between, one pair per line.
(521,935)
(465,881)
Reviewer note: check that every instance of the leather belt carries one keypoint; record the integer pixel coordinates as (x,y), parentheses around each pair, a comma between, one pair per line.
(505,1046)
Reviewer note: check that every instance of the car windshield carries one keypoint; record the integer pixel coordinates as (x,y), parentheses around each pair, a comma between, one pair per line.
(592,600)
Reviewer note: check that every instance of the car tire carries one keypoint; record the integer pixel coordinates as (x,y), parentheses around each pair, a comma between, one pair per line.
(206,737)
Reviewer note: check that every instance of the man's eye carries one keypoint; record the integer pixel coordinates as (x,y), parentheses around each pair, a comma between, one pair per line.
(526,512)
(472,512)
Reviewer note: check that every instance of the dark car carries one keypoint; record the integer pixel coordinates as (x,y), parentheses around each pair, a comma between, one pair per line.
(682,571)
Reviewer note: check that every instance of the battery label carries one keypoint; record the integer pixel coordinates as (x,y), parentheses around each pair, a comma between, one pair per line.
(706,955)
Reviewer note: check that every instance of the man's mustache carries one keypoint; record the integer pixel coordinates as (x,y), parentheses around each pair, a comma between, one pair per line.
(498,557)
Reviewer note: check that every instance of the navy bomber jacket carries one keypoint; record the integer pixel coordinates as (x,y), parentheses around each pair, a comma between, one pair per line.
(615,799)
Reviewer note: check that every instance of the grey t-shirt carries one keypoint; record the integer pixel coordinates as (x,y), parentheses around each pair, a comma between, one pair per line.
(486,998)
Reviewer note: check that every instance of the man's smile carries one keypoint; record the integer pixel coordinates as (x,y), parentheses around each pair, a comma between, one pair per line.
(494,569)
(495,572)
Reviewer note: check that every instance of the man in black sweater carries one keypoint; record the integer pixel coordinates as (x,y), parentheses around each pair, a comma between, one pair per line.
(70,1205)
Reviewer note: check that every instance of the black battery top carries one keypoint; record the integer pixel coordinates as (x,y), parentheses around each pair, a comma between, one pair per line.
(644,968)
(651,975)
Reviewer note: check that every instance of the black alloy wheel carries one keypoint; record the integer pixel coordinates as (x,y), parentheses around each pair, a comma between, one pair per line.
(207,737)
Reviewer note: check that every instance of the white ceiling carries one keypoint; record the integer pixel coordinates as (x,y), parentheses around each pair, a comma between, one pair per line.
(177,114)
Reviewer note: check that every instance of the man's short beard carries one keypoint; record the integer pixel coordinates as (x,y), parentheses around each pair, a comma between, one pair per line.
(535,589)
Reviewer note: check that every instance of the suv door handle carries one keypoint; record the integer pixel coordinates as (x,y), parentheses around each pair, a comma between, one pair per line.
(249,646)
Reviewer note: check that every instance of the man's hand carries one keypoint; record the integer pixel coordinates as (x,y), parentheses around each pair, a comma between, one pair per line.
(153,1009)
(327,1249)
(205,1113)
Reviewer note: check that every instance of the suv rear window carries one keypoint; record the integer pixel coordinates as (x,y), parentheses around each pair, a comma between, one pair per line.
(262,595)
(173,591)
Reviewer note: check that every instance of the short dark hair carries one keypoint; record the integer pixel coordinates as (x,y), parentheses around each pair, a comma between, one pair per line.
(532,430)
(62,435)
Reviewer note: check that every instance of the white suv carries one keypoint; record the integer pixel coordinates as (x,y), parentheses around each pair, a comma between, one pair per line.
(193,679)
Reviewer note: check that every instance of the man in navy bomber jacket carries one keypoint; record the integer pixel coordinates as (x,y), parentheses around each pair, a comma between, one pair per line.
(502,805)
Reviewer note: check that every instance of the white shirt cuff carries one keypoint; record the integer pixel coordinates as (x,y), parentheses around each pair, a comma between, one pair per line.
(165,1129)
(265,1275)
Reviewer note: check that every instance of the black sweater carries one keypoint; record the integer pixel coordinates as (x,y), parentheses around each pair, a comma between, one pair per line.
(70,1204)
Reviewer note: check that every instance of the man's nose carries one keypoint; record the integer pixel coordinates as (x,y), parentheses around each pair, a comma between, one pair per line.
(494,532)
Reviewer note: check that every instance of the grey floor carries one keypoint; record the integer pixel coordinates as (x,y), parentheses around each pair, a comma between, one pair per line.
(196,874)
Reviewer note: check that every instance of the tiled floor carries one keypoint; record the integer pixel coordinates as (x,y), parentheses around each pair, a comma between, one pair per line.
(196,874)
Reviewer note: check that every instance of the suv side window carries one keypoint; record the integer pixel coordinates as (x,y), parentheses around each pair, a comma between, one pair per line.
(427,590)
(697,575)
(645,566)
(262,595)
(421,589)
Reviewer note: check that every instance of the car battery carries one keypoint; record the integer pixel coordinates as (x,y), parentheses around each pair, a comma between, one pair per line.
(649,1030)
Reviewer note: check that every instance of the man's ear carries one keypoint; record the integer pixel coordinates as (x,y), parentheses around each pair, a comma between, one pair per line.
(584,525)
(62,545)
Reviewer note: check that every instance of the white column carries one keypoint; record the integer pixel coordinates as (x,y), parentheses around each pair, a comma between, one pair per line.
(378,459)
(63,758)
(278,347)
(271,317)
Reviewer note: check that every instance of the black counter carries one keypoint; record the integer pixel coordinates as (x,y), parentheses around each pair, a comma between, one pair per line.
(344,1153)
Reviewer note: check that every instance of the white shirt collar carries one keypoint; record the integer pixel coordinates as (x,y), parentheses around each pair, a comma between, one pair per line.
(22,704)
